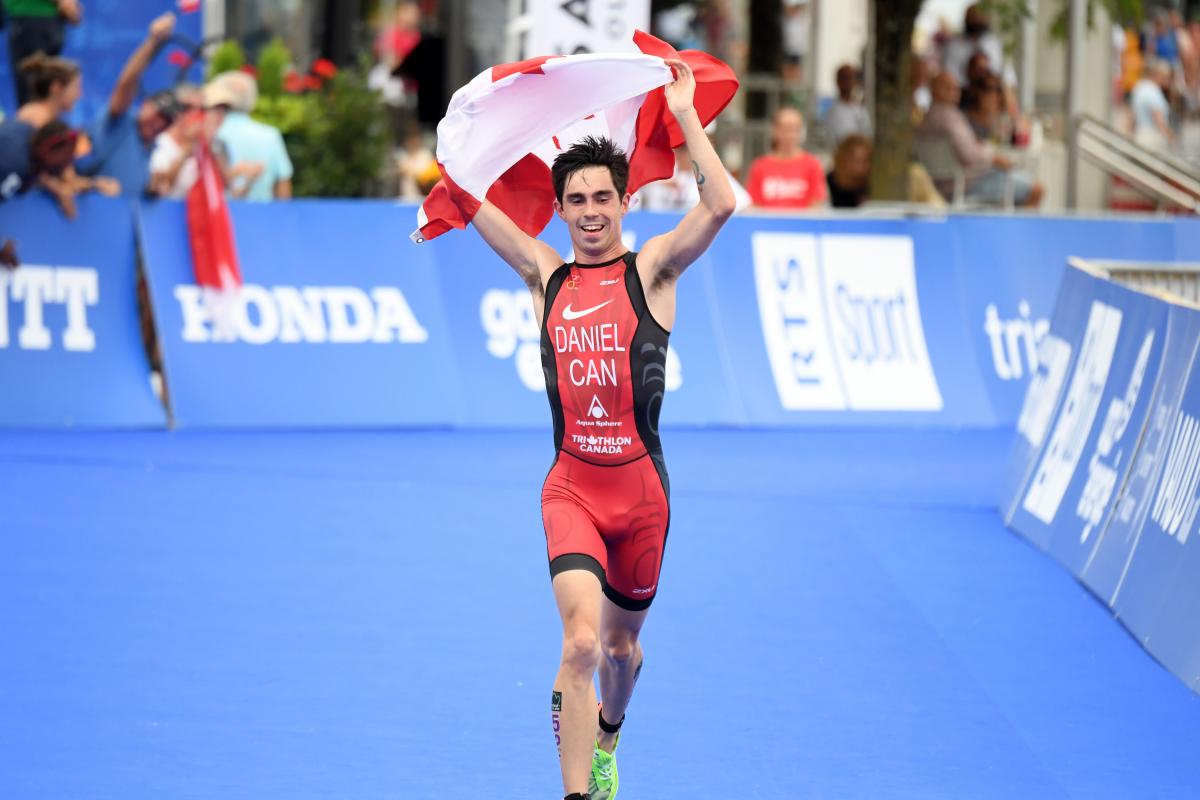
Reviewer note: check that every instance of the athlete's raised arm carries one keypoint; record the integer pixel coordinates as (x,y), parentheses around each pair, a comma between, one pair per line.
(528,256)
(670,254)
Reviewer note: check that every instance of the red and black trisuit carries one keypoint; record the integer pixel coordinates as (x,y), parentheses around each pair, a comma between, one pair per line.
(605,502)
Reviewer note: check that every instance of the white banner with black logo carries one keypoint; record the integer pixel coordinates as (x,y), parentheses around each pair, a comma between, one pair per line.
(566,27)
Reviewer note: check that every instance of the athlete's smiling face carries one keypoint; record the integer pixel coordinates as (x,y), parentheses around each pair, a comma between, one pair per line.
(593,209)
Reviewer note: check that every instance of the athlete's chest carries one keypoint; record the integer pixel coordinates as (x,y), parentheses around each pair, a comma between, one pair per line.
(593,305)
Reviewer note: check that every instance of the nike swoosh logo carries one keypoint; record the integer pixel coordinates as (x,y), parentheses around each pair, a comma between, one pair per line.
(569,313)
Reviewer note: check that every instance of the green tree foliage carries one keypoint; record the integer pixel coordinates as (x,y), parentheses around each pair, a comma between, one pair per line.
(228,57)
(335,128)
(273,63)
(343,142)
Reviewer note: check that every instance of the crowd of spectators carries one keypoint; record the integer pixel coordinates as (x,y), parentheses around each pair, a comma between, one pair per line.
(136,147)
(964,99)
(1157,78)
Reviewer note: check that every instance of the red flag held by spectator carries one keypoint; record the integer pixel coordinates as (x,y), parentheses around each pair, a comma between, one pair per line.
(214,251)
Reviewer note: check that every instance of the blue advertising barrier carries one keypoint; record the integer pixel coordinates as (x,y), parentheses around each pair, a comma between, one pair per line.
(1159,596)
(71,351)
(1109,459)
(1011,268)
(1057,354)
(1105,570)
(340,321)
(1122,403)
(784,321)
(109,34)
(1085,455)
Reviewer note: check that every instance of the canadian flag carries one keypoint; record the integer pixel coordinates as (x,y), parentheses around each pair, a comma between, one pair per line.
(503,130)
(210,230)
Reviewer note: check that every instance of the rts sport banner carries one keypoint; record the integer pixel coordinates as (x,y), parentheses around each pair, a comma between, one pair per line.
(71,350)
(826,317)
(339,321)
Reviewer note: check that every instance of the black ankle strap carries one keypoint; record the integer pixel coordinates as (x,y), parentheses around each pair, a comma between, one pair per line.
(606,727)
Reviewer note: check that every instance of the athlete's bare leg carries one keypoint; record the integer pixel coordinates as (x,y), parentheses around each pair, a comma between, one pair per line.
(621,664)
(573,701)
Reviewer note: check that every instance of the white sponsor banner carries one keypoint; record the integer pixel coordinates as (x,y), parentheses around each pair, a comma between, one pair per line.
(567,27)
(871,293)
(1074,424)
(791,308)
(842,322)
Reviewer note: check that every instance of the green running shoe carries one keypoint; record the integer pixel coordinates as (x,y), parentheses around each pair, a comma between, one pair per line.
(603,783)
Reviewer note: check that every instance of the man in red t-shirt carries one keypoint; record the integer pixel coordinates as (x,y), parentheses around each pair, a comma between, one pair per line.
(787,177)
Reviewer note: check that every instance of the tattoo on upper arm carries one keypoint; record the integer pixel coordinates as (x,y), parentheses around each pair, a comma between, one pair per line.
(699,177)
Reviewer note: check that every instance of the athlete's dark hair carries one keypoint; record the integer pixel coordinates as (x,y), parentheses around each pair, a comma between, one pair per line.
(591,151)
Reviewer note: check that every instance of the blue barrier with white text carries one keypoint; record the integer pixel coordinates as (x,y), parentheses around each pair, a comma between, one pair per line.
(71,351)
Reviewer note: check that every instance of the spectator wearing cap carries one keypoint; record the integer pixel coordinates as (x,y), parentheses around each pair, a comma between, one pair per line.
(245,140)
(37,26)
(848,115)
(173,165)
(123,140)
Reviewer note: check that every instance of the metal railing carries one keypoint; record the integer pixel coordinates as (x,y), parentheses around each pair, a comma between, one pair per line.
(1169,181)
(1177,279)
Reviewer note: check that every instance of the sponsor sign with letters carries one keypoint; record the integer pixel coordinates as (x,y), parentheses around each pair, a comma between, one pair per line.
(308,340)
(71,349)
(842,324)
(1158,597)
(1142,487)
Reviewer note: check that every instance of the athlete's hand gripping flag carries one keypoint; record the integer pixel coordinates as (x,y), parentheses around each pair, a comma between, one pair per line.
(503,129)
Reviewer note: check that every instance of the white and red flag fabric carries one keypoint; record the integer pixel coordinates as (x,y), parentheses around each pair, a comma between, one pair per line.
(503,130)
(210,229)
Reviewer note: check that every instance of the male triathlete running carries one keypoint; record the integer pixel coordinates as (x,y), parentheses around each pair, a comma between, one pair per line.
(605,319)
